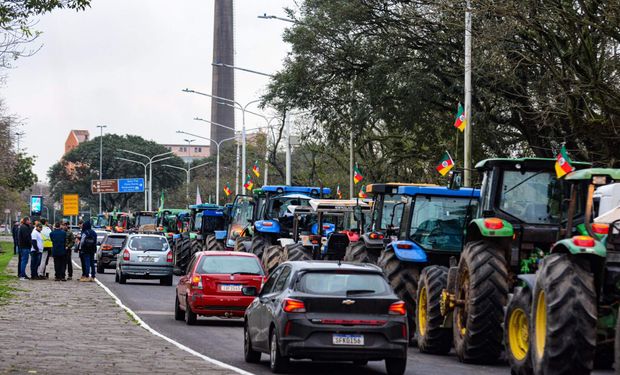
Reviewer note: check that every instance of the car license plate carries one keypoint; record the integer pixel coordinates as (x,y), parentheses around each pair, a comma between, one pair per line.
(355,340)
(230,287)
(147,259)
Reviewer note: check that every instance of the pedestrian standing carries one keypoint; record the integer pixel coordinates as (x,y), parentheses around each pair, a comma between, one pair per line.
(81,255)
(14,231)
(59,252)
(36,251)
(24,241)
(69,245)
(47,248)
(88,247)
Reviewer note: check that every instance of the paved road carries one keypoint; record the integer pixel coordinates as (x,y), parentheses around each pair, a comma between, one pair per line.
(222,339)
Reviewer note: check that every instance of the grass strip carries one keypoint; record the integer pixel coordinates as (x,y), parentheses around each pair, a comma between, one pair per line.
(7,281)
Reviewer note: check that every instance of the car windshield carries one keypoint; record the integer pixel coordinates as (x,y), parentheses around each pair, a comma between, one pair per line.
(115,241)
(342,284)
(532,197)
(437,223)
(143,243)
(220,264)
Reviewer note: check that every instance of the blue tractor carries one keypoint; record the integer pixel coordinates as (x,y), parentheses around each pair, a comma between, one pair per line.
(432,229)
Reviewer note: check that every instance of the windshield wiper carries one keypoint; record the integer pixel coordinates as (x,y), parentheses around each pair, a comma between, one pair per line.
(359,291)
(245,273)
(524,181)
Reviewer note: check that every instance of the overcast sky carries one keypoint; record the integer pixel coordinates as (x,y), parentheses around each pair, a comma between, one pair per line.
(124,63)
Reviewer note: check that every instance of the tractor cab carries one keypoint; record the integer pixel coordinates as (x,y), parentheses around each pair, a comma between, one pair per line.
(145,222)
(101,221)
(207,219)
(169,222)
(120,222)
(325,227)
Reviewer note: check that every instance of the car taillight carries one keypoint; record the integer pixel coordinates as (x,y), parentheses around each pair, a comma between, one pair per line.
(397,308)
(493,223)
(196,282)
(585,241)
(169,257)
(315,240)
(293,306)
(599,228)
(106,247)
(126,254)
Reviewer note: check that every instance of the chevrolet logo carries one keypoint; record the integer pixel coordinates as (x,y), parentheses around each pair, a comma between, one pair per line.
(348,302)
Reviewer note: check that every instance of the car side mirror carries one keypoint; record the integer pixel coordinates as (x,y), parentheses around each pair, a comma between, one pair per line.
(250,291)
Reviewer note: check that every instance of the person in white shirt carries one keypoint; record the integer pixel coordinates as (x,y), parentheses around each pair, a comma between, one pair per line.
(36,251)
(47,248)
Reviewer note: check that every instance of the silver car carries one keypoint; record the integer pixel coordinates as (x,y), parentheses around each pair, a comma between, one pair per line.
(145,256)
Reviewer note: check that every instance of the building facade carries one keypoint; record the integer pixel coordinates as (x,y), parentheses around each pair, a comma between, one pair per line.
(75,138)
(189,153)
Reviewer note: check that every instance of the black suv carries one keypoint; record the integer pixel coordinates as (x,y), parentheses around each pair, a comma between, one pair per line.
(326,311)
(111,245)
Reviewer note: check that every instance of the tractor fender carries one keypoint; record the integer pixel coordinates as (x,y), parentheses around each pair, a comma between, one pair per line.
(372,243)
(176,235)
(408,251)
(529,279)
(220,234)
(267,226)
(477,230)
(568,246)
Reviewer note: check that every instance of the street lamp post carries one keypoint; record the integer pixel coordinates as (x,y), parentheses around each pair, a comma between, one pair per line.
(145,179)
(189,152)
(187,171)
(151,160)
(101,162)
(217,160)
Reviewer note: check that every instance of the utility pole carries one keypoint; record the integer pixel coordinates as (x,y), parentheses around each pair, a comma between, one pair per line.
(287,123)
(351,164)
(468,126)
(100,161)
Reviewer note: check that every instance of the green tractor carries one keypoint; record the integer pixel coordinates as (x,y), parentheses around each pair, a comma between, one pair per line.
(519,219)
(569,308)
(145,222)
(169,222)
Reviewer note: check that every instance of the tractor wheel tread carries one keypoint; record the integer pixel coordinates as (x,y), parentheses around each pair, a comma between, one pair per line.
(212,244)
(436,339)
(357,252)
(296,252)
(272,257)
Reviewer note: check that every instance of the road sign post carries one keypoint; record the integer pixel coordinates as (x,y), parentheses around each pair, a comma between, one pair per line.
(70,205)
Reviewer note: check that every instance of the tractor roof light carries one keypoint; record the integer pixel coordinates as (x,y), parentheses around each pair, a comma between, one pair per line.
(584,241)
(404,246)
(493,223)
(599,228)
(375,236)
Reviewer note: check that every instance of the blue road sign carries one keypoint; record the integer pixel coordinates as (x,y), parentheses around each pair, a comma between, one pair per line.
(130,185)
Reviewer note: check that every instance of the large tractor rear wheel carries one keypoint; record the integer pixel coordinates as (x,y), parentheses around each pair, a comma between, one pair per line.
(272,257)
(295,252)
(481,294)
(211,244)
(182,255)
(517,332)
(431,336)
(403,278)
(239,246)
(617,348)
(564,316)
(259,243)
(196,247)
(357,252)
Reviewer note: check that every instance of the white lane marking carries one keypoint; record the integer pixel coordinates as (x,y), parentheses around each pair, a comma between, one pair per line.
(150,312)
(175,343)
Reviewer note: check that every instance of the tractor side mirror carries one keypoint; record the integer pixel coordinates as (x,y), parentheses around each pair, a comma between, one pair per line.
(456,181)
(357,213)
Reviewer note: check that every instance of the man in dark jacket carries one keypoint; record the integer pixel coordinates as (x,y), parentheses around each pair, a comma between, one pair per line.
(14,231)
(24,242)
(59,252)
(69,245)
(88,248)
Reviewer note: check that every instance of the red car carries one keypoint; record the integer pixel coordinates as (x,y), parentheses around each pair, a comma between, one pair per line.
(213,283)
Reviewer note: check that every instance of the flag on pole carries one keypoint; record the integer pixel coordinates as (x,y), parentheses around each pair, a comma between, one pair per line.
(161,201)
(563,163)
(338,192)
(445,164)
(256,169)
(461,120)
(198,199)
(227,190)
(357,175)
(362,194)
(249,184)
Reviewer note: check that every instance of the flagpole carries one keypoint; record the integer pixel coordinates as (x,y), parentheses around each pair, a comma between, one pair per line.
(468,124)
(351,164)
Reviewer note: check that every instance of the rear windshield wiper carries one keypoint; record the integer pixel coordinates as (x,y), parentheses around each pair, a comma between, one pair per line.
(359,291)
(245,273)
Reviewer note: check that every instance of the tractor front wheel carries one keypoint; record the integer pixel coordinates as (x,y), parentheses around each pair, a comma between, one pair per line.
(259,243)
(517,331)
(564,316)
(357,252)
(432,337)
(239,246)
(403,278)
(481,294)
(272,257)
(211,244)
(295,252)
(182,255)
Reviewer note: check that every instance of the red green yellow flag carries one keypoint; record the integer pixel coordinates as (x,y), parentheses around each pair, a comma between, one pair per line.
(338,192)
(563,163)
(256,169)
(362,194)
(227,189)
(357,175)
(445,164)
(249,184)
(461,121)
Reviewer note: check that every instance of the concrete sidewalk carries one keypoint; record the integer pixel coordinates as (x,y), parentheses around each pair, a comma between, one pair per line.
(53,327)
